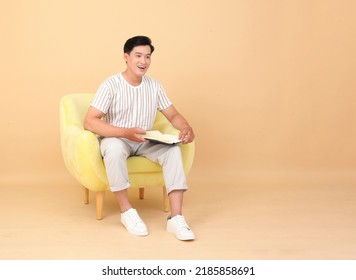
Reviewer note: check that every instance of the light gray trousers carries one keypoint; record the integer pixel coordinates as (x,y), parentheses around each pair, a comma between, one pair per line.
(115,152)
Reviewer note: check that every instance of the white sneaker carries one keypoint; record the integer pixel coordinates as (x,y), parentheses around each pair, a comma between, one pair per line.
(179,227)
(133,223)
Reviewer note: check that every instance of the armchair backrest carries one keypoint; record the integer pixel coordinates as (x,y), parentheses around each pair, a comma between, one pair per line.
(74,108)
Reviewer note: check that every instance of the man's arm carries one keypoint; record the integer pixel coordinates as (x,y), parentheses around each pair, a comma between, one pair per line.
(94,123)
(179,122)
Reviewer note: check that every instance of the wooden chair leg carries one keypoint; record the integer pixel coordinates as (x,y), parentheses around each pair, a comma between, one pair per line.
(86,195)
(141,193)
(99,204)
(165,200)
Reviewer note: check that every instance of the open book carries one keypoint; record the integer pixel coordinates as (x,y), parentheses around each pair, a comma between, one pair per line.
(156,136)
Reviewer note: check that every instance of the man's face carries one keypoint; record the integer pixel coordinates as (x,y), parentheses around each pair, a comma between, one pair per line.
(139,60)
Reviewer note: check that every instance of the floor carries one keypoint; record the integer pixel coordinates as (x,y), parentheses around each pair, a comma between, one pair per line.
(245,218)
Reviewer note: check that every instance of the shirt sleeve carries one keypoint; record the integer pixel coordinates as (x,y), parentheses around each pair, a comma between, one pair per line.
(163,101)
(102,98)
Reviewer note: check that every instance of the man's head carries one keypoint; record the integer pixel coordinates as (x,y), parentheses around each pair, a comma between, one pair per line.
(138,41)
(137,54)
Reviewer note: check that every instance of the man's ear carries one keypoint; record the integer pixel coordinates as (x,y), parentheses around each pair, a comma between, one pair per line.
(126,57)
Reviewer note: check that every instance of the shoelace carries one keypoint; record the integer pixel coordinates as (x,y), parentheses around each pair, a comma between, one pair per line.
(181,222)
(134,217)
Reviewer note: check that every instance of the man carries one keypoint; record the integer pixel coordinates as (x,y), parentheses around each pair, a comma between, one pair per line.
(129,102)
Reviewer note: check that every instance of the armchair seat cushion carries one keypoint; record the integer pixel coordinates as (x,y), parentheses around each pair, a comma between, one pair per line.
(139,164)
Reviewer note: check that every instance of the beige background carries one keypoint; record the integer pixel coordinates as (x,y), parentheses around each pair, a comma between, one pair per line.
(269,86)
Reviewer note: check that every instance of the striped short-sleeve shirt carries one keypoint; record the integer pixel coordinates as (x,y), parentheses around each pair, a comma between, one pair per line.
(130,106)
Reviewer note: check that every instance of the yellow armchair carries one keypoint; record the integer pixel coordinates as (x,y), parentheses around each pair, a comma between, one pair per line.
(82,158)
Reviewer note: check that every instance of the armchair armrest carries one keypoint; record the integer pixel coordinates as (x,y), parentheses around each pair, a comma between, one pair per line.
(81,153)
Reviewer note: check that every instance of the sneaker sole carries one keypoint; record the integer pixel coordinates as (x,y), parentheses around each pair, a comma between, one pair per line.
(135,233)
(182,238)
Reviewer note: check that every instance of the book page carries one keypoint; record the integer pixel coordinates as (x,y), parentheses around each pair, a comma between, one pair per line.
(158,137)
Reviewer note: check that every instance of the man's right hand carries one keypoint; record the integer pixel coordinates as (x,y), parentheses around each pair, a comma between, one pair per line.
(135,134)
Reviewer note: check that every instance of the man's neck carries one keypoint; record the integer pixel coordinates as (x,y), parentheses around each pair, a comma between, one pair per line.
(132,79)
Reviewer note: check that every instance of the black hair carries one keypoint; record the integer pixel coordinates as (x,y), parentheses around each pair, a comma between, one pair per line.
(137,41)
